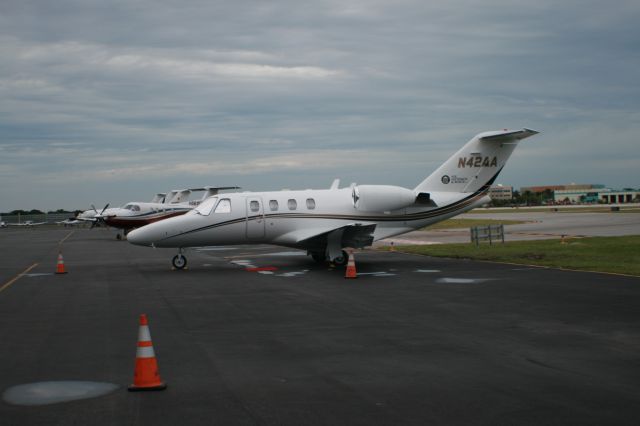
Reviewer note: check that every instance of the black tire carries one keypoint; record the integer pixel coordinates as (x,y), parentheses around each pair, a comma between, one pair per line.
(118,236)
(179,261)
(318,257)
(342,260)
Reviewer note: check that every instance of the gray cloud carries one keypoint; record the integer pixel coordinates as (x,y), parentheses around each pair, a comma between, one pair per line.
(280,94)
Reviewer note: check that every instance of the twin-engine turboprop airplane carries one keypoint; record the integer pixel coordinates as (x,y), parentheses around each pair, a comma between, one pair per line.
(324,222)
(136,214)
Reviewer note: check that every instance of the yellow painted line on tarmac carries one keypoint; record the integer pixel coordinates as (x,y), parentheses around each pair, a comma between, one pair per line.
(65,238)
(17,277)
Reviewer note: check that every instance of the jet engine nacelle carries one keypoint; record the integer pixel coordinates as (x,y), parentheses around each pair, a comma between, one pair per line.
(382,198)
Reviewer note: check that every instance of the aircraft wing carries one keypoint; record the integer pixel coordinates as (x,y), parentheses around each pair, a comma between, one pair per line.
(354,235)
(87,219)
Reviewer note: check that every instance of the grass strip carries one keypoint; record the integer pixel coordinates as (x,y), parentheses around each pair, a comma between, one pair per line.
(600,254)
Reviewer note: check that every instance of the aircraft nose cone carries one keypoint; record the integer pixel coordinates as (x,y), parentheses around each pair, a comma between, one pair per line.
(139,237)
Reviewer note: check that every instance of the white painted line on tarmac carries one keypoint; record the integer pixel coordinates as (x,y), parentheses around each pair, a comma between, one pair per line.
(377,274)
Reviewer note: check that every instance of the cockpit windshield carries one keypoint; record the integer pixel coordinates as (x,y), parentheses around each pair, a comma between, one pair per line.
(132,207)
(206,206)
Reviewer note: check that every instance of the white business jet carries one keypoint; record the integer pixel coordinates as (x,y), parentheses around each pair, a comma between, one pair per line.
(324,222)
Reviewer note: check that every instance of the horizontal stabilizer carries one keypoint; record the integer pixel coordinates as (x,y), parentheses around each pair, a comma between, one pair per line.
(211,188)
(507,136)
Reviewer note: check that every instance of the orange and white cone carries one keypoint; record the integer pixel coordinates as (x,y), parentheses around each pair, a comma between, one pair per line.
(146,375)
(351,266)
(60,266)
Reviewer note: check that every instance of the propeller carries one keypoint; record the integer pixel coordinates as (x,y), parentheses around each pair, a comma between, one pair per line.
(98,217)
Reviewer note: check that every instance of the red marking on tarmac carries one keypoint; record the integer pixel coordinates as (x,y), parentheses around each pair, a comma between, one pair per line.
(264,268)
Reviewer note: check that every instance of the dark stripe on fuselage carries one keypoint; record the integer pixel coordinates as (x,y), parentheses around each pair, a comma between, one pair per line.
(141,220)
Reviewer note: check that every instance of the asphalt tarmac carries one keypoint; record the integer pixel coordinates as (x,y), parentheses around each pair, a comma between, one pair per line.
(263,335)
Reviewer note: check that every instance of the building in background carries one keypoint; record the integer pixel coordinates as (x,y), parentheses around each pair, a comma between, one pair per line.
(584,194)
(627,195)
(501,192)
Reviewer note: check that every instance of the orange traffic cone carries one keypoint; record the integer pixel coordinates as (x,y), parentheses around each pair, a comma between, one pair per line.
(351,266)
(60,266)
(146,375)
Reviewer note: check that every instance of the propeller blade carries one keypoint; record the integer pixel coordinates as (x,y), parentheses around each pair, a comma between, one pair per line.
(105,207)
(94,208)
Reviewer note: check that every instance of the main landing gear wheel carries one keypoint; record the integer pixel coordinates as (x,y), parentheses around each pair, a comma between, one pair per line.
(318,257)
(179,261)
(342,259)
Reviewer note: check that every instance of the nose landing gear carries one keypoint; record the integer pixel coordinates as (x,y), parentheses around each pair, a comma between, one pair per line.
(179,261)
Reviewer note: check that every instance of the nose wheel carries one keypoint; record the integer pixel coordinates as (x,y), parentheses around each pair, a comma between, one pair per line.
(179,261)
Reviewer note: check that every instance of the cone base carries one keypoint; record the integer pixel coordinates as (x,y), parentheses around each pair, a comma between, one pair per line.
(158,387)
(60,273)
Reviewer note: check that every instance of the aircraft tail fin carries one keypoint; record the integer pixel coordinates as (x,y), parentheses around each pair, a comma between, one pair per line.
(477,164)
(210,191)
(159,198)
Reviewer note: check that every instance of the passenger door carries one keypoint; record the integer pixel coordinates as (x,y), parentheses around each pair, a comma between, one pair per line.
(255,218)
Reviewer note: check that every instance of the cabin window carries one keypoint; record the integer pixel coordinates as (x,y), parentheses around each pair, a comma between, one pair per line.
(224,206)
(311,203)
(273,205)
(254,206)
(206,206)
(292,204)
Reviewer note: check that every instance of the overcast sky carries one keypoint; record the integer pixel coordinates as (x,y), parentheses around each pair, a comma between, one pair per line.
(113,101)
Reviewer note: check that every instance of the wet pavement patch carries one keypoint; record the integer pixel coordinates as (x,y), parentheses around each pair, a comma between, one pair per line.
(44,393)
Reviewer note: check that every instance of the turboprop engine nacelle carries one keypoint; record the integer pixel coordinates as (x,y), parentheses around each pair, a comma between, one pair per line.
(382,198)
